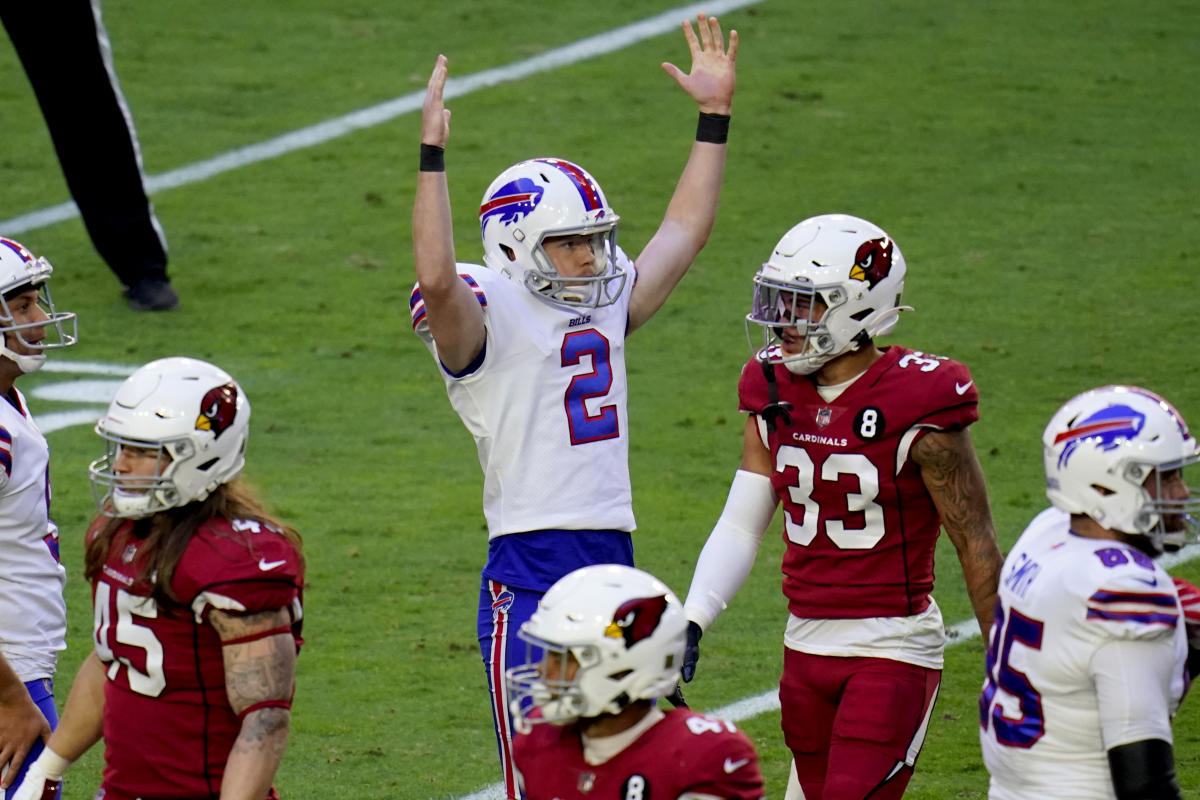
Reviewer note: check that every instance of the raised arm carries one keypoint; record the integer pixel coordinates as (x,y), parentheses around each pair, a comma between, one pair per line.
(952,475)
(78,730)
(693,207)
(454,316)
(260,673)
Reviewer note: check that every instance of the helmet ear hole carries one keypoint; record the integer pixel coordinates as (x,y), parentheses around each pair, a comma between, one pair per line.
(508,251)
(207,465)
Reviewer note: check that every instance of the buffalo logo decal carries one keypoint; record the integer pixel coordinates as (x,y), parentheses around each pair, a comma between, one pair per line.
(1106,428)
(634,620)
(873,261)
(217,409)
(511,203)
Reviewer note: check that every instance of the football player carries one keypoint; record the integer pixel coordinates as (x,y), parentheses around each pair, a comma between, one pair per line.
(196,593)
(33,615)
(1086,660)
(532,347)
(867,449)
(605,642)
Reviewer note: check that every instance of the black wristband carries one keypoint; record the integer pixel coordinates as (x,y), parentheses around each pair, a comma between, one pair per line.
(433,158)
(712,128)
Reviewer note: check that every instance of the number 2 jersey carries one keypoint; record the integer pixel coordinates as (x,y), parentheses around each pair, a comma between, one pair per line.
(1087,653)
(859,524)
(168,727)
(546,403)
(682,754)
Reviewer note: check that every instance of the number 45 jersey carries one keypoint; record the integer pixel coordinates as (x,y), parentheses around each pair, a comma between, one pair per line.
(859,525)
(546,403)
(1087,653)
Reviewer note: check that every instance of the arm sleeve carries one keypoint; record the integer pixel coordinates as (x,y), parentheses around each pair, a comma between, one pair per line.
(731,548)
(1133,689)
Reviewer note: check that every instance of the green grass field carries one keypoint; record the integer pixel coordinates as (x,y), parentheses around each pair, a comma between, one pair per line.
(1036,163)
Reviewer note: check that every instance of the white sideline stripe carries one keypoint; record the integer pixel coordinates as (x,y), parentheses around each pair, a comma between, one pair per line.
(616,39)
(769,700)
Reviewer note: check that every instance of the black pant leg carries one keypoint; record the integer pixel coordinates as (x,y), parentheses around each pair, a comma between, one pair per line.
(64,50)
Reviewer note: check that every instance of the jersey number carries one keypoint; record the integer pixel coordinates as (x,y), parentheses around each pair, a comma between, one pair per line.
(596,382)
(1025,730)
(802,532)
(127,643)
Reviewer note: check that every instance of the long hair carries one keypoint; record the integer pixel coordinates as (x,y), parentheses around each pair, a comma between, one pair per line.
(165,535)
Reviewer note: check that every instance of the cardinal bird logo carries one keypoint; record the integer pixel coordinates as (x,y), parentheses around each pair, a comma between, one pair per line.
(217,409)
(873,261)
(634,620)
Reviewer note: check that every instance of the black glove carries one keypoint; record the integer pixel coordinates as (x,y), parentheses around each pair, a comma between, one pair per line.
(691,653)
(675,698)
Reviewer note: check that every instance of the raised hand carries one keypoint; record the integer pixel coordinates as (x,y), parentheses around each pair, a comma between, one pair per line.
(712,79)
(435,117)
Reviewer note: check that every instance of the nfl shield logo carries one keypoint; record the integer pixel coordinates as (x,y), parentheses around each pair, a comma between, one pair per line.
(586,781)
(824,416)
(130,552)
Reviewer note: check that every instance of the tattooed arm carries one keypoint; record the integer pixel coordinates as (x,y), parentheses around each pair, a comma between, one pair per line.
(260,670)
(954,479)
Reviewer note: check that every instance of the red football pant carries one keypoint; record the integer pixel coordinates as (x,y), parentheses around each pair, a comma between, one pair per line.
(854,725)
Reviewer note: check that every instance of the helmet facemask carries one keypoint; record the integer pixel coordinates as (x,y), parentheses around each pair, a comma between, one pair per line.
(1168,522)
(136,496)
(778,305)
(21,272)
(603,287)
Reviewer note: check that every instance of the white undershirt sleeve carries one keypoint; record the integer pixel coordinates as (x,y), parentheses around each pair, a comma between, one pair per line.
(729,552)
(1133,687)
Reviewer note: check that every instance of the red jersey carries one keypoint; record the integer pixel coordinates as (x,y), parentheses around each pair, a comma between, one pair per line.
(168,726)
(859,524)
(683,752)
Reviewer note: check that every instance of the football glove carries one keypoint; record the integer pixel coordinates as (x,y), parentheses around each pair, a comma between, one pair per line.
(44,777)
(675,698)
(691,653)
(1189,600)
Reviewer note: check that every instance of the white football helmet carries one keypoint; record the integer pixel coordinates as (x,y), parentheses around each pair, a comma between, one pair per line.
(1107,454)
(545,197)
(847,263)
(20,271)
(198,419)
(623,627)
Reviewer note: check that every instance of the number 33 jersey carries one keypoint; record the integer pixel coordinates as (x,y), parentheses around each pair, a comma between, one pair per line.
(547,404)
(859,525)
(1087,652)
(168,725)
(682,755)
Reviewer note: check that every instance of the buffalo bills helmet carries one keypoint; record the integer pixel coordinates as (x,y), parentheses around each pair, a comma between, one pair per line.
(42,328)
(193,414)
(547,197)
(850,266)
(608,635)
(1109,455)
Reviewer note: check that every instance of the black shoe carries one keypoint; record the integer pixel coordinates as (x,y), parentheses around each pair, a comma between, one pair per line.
(152,294)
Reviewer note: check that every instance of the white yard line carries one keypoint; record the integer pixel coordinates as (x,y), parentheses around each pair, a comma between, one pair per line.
(612,41)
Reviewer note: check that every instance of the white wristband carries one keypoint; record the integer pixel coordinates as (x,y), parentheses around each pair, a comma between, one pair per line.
(52,764)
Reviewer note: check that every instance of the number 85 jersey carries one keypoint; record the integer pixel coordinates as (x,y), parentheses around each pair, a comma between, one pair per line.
(1087,653)
(859,524)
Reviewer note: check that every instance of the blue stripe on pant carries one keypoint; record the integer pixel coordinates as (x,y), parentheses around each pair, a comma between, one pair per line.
(42,692)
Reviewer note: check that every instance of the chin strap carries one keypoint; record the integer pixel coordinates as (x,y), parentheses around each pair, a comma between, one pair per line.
(775,409)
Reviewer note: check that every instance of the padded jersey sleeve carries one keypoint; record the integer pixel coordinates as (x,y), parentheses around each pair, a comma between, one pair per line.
(241,567)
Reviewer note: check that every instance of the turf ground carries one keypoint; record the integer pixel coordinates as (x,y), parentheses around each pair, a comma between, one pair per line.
(1035,161)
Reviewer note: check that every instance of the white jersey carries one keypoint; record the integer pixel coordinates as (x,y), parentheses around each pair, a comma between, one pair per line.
(1087,653)
(547,407)
(33,615)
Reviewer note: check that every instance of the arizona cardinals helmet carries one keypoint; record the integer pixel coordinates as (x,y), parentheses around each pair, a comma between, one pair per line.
(622,626)
(1108,453)
(20,271)
(848,264)
(541,198)
(198,419)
